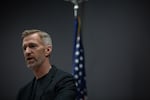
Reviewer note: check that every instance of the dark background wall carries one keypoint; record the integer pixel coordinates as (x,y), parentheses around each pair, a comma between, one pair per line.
(116,38)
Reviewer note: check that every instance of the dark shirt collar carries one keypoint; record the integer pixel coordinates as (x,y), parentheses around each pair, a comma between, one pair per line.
(46,79)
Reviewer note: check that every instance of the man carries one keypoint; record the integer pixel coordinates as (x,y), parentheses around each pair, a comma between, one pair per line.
(49,82)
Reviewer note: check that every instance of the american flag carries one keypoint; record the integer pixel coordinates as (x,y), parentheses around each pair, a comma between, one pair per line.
(79,62)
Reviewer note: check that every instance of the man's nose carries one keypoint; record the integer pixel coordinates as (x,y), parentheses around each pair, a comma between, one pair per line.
(27,51)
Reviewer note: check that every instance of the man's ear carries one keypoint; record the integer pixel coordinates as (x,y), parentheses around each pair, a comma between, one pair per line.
(48,50)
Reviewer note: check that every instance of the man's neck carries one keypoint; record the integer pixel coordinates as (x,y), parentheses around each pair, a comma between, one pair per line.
(41,71)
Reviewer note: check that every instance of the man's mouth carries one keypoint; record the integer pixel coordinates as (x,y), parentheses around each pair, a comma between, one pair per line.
(30,59)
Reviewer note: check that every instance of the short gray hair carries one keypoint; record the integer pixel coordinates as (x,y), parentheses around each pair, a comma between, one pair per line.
(43,35)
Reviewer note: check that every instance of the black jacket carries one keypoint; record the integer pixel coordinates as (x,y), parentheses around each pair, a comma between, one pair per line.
(58,85)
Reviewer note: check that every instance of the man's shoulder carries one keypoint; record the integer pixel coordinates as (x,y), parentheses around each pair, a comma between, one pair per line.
(63,79)
(62,73)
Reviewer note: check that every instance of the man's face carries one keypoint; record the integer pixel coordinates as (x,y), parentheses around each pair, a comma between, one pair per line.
(34,50)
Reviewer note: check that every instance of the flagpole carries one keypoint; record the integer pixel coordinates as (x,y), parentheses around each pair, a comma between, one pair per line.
(76,5)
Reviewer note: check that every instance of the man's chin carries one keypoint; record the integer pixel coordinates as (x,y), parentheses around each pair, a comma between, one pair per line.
(31,66)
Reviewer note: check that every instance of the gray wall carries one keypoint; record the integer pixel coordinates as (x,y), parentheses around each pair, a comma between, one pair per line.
(116,38)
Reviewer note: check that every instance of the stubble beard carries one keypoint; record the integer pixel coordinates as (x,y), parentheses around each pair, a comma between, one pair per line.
(36,63)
